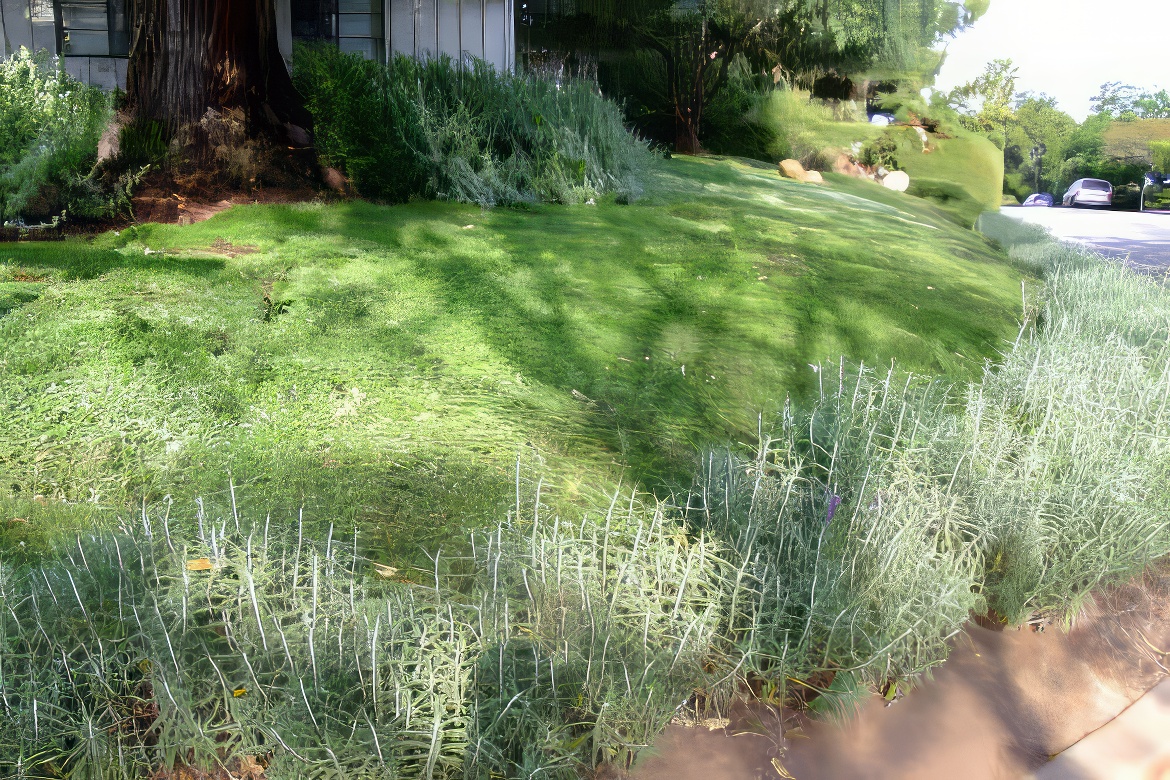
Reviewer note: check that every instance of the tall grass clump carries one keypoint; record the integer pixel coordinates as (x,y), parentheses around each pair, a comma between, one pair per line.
(856,558)
(50,125)
(539,648)
(465,132)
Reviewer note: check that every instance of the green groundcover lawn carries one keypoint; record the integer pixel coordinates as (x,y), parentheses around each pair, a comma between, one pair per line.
(388,367)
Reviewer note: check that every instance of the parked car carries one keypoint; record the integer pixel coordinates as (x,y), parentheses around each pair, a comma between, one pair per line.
(1039,199)
(1089,192)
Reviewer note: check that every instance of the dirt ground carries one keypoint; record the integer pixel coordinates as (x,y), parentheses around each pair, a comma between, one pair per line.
(1003,704)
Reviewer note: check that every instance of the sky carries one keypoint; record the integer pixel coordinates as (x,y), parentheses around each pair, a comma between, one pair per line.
(1067,48)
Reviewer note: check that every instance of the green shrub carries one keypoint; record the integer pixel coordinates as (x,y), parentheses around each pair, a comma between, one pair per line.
(911,108)
(735,122)
(1160,152)
(881,152)
(803,126)
(50,125)
(436,129)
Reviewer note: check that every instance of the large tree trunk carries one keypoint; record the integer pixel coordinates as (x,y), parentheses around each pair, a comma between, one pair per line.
(188,56)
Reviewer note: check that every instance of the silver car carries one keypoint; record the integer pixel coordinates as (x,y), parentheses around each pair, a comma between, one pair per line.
(1089,192)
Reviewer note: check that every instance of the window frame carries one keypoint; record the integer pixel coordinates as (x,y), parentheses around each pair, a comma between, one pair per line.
(337,18)
(114,35)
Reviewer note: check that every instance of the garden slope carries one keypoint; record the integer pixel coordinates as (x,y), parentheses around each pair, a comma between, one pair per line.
(384,366)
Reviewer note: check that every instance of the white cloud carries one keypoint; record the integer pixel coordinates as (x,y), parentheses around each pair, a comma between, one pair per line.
(1067,48)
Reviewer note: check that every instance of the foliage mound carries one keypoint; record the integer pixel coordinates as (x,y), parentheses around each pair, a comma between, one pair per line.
(466,132)
(50,125)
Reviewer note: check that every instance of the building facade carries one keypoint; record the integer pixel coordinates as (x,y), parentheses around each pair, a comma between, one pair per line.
(93,36)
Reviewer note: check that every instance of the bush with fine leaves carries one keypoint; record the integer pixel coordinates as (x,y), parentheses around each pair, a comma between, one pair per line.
(50,125)
(465,132)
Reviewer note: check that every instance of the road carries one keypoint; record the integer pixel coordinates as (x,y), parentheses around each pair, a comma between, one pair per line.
(1140,239)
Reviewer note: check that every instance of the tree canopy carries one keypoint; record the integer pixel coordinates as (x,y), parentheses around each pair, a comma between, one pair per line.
(797,40)
(1127,102)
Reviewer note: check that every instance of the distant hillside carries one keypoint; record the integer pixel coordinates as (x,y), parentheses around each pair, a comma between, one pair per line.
(1129,141)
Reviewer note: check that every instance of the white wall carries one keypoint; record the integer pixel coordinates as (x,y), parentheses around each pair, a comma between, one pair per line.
(17,25)
(456,28)
(420,28)
(284,34)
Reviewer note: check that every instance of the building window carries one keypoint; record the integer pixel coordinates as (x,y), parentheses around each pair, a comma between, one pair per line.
(312,20)
(93,28)
(360,28)
(354,25)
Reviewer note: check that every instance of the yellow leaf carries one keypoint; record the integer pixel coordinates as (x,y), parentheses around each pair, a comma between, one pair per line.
(385,571)
(238,692)
(199,564)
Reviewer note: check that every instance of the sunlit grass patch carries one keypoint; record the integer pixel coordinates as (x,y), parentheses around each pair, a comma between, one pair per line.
(385,365)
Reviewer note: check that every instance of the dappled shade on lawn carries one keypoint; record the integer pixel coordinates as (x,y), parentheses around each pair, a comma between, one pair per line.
(386,366)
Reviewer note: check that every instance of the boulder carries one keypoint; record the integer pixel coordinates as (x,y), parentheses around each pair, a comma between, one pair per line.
(336,181)
(898,181)
(844,165)
(792,169)
(298,136)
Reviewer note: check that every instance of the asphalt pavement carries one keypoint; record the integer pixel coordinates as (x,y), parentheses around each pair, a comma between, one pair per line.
(1139,239)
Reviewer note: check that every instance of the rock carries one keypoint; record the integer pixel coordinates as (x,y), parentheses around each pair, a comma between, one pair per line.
(298,136)
(898,181)
(336,181)
(792,169)
(844,165)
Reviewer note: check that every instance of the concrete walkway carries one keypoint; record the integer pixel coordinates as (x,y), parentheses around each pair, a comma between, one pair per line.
(1002,705)
(1133,746)
(1139,239)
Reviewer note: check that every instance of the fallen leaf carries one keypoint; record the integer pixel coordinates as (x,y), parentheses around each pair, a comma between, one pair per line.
(238,692)
(199,564)
(250,769)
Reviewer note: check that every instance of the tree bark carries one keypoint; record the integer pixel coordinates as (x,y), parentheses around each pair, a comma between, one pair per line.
(188,56)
